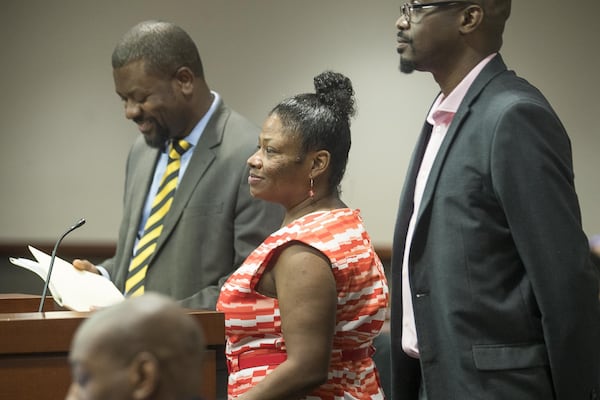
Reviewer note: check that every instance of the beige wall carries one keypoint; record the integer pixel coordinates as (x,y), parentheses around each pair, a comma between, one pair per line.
(64,139)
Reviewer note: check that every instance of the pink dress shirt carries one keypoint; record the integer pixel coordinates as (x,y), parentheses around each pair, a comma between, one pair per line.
(440,116)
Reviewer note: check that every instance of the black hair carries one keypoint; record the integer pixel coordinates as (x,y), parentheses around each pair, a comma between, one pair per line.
(165,47)
(322,120)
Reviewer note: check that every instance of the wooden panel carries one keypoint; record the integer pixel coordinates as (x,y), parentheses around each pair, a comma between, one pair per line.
(20,303)
(34,377)
(34,351)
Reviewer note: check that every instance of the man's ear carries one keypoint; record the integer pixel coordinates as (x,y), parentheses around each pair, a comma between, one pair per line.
(144,375)
(472,17)
(184,79)
(320,163)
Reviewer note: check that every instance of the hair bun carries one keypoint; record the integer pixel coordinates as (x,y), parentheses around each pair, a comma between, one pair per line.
(335,91)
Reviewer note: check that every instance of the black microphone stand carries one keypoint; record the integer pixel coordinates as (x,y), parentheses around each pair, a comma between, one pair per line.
(47,283)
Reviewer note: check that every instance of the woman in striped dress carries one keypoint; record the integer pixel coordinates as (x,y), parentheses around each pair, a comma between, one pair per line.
(303,309)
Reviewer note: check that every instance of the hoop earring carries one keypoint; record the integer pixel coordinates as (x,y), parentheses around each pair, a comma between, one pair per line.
(311,191)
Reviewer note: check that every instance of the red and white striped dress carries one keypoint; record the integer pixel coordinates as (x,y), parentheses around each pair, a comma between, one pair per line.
(252,320)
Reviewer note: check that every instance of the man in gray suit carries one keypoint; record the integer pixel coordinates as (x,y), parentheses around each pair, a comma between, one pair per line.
(494,292)
(213,223)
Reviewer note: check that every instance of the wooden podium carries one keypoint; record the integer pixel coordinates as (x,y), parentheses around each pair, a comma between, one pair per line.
(34,348)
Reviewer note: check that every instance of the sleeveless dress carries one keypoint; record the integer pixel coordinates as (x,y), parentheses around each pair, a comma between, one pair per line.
(252,320)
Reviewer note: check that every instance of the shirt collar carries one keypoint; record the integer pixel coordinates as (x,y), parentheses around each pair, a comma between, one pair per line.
(444,108)
(196,133)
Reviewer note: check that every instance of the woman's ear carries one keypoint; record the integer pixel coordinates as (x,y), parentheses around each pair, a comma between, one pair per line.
(320,163)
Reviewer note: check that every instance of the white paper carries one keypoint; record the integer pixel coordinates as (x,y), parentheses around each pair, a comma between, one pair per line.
(70,287)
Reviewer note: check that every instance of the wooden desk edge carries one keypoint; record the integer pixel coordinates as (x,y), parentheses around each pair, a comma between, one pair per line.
(52,331)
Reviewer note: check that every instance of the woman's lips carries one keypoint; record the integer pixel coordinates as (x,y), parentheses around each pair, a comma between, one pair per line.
(253,179)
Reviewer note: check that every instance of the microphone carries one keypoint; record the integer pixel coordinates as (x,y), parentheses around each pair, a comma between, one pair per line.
(47,283)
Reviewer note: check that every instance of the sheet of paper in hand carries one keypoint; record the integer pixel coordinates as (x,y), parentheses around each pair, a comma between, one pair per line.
(71,288)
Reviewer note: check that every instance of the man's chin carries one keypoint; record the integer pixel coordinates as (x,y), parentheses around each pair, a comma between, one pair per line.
(406,66)
(155,141)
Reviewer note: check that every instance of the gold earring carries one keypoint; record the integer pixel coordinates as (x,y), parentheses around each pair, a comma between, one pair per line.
(311,191)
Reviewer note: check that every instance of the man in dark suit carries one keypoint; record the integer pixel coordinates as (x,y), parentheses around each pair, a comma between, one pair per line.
(494,294)
(213,223)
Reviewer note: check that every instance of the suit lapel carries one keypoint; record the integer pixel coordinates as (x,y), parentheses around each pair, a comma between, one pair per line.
(493,68)
(144,173)
(408,191)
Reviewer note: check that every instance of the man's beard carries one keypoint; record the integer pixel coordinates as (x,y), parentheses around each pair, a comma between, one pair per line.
(159,139)
(406,66)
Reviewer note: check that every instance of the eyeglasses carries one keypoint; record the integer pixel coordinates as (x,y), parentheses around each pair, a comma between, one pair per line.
(408,9)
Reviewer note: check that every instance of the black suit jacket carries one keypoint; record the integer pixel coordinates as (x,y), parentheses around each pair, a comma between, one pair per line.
(504,295)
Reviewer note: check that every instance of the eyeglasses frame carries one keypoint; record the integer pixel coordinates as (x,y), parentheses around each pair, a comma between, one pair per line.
(406,9)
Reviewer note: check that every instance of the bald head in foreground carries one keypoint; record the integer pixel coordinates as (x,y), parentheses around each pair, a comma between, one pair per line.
(146,347)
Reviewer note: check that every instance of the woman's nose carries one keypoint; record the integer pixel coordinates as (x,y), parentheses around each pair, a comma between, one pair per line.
(254,160)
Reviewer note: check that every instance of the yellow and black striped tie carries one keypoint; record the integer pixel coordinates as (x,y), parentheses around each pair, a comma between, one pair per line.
(134,286)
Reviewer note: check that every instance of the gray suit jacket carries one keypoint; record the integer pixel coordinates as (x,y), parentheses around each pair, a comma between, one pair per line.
(504,294)
(213,223)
